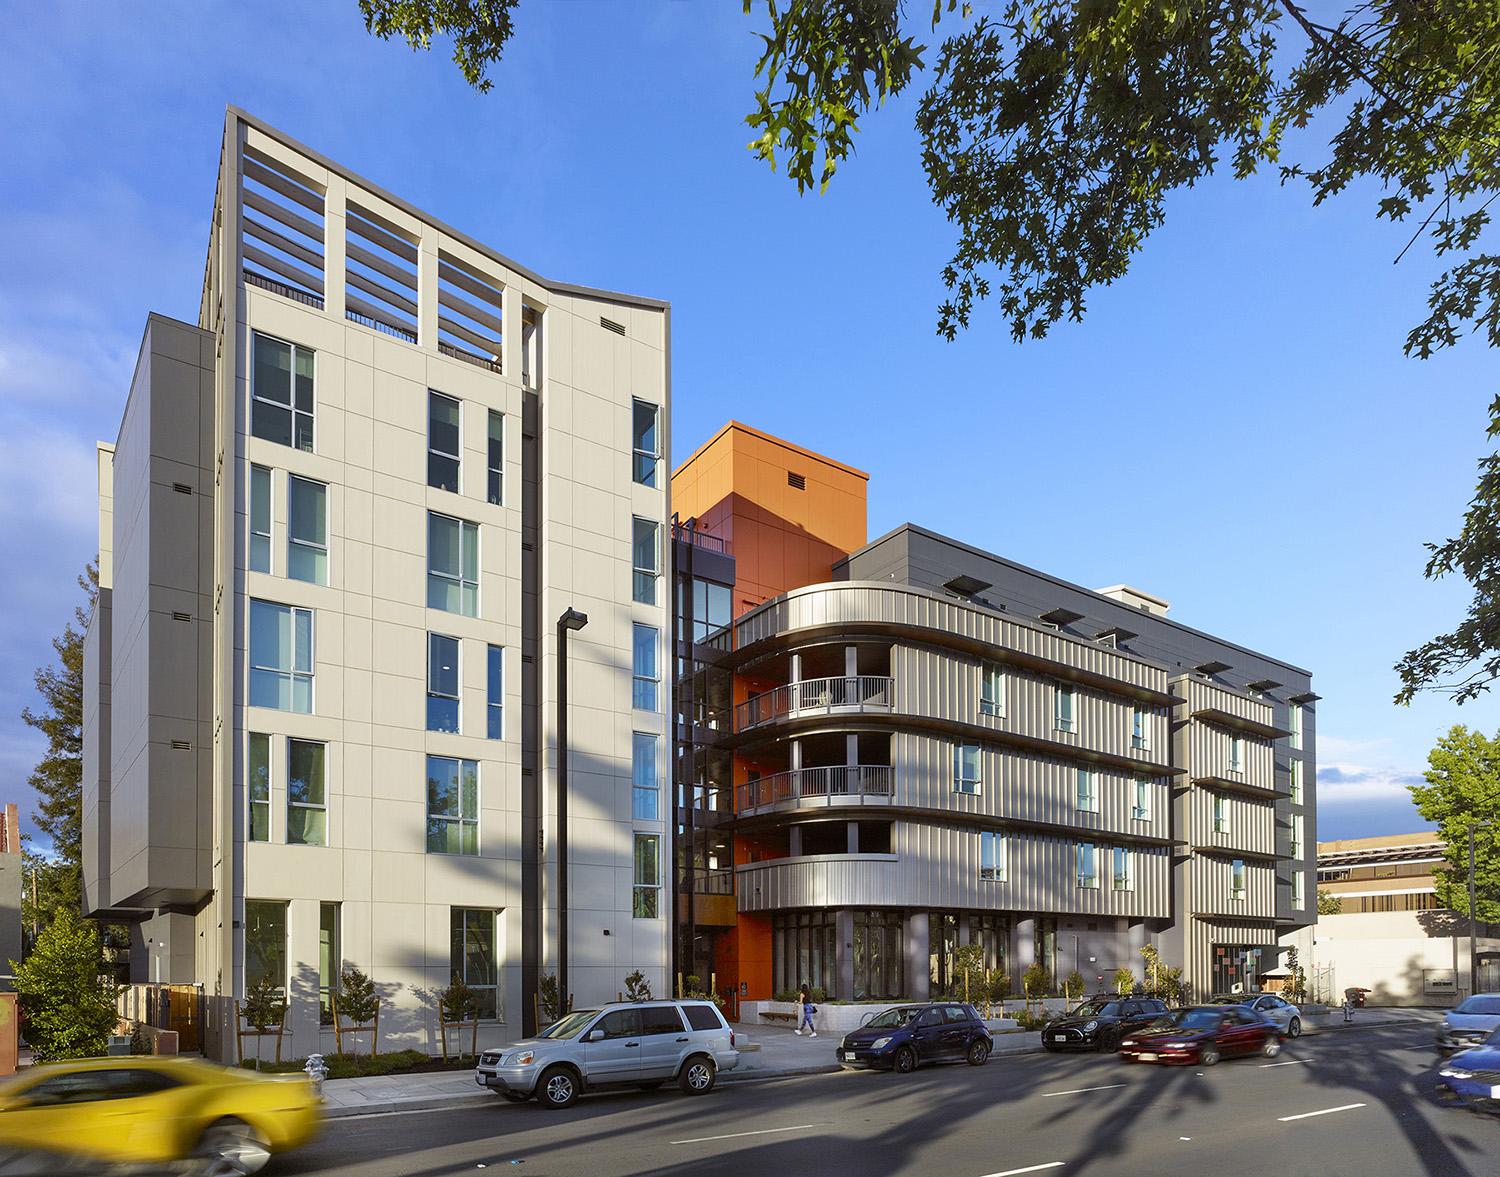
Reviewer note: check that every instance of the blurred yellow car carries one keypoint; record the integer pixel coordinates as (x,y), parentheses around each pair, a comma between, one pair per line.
(146,1110)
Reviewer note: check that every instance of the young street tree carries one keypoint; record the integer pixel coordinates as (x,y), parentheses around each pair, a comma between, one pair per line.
(68,1002)
(1463,786)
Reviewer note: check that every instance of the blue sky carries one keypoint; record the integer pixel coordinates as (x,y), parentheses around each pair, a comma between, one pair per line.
(1232,427)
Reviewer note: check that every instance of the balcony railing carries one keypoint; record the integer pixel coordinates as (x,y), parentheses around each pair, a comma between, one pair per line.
(812,696)
(839,784)
(698,538)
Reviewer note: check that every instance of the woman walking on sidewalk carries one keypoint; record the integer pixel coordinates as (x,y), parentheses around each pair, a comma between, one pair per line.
(806,1009)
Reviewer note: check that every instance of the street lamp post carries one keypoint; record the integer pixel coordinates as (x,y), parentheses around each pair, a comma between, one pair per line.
(570,620)
(1473,940)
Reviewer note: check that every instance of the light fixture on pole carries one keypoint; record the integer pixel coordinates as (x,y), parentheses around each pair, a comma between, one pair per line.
(572,619)
(1473,942)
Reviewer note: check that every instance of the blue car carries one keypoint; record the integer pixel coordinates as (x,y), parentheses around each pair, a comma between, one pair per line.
(1472,1077)
(905,1036)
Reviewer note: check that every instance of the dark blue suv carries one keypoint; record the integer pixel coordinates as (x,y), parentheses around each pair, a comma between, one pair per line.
(905,1036)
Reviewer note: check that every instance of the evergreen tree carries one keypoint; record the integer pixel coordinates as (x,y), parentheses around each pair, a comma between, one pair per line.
(67,1003)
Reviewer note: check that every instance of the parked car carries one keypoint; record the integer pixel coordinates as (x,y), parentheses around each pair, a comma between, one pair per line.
(1469,1023)
(906,1036)
(1472,1077)
(1100,1022)
(1268,1005)
(641,1044)
(155,1111)
(1203,1034)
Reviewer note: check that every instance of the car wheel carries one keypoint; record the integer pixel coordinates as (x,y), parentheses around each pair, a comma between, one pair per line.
(1208,1056)
(558,1087)
(230,1148)
(697,1076)
(905,1061)
(1294,1028)
(514,1096)
(1272,1048)
(978,1052)
(650,1086)
(1109,1042)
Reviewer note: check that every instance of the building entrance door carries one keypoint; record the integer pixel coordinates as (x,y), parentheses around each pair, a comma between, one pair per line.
(1236,967)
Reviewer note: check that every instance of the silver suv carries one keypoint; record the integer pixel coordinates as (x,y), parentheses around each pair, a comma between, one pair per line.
(1469,1023)
(640,1044)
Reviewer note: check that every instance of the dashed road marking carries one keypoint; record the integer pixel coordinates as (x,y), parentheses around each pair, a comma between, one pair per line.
(735,1135)
(1289,1063)
(1081,1090)
(1028,1169)
(1347,1107)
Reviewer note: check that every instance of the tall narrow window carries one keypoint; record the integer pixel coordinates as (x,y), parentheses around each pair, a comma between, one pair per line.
(1088,790)
(646,903)
(442,683)
(281,401)
(1062,708)
(307,531)
(474,959)
(1221,815)
(494,709)
(1294,772)
(1237,879)
(645,792)
(258,786)
(992,856)
(1294,724)
(496,460)
(265,944)
(1088,872)
(1297,827)
(281,657)
(645,551)
(306,793)
(452,806)
(645,441)
(260,519)
(643,659)
(443,446)
(1140,730)
(330,960)
(452,565)
(1141,809)
(1236,754)
(1298,896)
(1124,877)
(991,690)
(966,768)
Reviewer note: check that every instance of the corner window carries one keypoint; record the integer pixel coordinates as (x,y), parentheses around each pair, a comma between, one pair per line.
(966,768)
(1237,879)
(496,459)
(260,519)
(1141,809)
(646,902)
(473,957)
(992,856)
(281,398)
(442,683)
(1221,816)
(1236,754)
(494,709)
(306,793)
(1088,873)
(643,666)
(1294,773)
(991,690)
(452,806)
(281,657)
(1088,791)
(1124,876)
(645,441)
(645,555)
(645,790)
(1140,729)
(1062,708)
(265,944)
(258,787)
(307,531)
(443,447)
(330,960)
(452,565)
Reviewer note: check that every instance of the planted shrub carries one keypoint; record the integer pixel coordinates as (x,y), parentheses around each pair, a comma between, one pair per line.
(263,1007)
(358,1000)
(637,988)
(68,1003)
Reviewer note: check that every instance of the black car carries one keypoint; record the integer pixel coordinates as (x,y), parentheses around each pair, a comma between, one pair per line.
(1100,1022)
(905,1036)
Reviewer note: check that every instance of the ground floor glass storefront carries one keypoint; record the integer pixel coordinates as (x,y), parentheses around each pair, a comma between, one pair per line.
(877,955)
(804,951)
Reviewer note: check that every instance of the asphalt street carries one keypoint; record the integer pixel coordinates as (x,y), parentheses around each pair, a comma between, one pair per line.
(1355,1103)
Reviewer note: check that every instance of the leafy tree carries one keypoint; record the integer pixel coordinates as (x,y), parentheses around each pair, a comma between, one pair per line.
(1296,986)
(67,1003)
(1034,983)
(637,988)
(264,1006)
(1073,986)
(359,1002)
(1124,981)
(549,1005)
(999,989)
(968,974)
(1329,903)
(1463,786)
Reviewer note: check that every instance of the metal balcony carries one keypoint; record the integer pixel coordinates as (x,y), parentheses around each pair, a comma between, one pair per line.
(851,694)
(828,785)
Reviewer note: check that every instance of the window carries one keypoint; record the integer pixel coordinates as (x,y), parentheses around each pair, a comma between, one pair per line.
(496,459)
(265,944)
(281,403)
(992,856)
(1140,731)
(991,690)
(452,806)
(258,786)
(1236,754)
(1062,708)
(442,683)
(711,608)
(1221,816)
(260,519)
(306,793)
(1294,771)
(494,711)
(645,790)
(330,960)
(452,565)
(1297,820)
(645,442)
(643,666)
(1141,809)
(1088,875)
(1237,879)
(647,902)
(645,554)
(1088,795)
(1298,895)
(966,768)
(307,531)
(281,657)
(443,449)
(1124,875)
(473,958)
(1294,724)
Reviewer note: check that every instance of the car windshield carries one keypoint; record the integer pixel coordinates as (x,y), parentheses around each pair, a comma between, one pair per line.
(570,1026)
(1480,1003)
(1189,1019)
(891,1018)
(1231,1000)
(1098,1009)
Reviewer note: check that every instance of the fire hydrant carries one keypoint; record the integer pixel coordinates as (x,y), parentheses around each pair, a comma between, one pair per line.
(317,1071)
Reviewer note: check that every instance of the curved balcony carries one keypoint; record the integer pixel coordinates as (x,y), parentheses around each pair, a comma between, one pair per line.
(832,786)
(845,695)
(827,880)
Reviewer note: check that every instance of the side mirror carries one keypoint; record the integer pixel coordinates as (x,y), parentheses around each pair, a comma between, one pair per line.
(594,1036)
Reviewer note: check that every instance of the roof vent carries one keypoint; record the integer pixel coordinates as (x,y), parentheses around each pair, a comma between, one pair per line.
(611,325)
(796,481)
(1135,598)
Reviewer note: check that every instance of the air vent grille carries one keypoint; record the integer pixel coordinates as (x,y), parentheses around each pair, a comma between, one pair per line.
(796,481)
(182,488)
(181,745)
(611,325)
(525,657)
(177,615)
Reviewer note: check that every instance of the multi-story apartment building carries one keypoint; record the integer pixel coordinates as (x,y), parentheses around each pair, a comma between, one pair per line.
(907,745)
(1393,873)
(350,526)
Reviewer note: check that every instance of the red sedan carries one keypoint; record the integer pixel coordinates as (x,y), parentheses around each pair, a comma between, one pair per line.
(1203,1034)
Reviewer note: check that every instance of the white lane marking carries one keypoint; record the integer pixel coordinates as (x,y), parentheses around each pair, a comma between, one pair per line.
(1289,1063)
(734,1135)
(1028,1169)
(1081,1090)
(1326,1111)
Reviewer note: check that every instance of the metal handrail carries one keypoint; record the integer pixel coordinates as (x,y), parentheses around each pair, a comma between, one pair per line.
(859,692)
(854,781)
